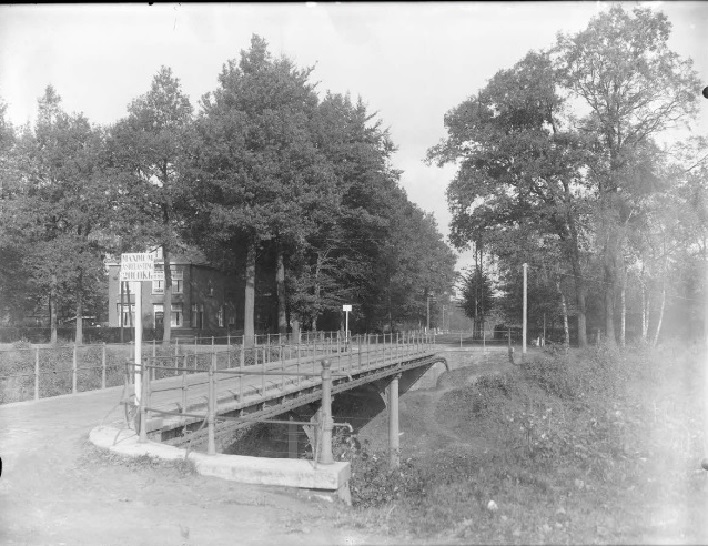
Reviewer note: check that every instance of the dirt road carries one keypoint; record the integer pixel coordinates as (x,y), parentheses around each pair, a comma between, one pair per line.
(57,489)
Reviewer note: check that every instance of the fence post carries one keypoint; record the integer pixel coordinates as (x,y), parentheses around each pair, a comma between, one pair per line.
(36,374)
(358,345)
(212,404)
(298,361)
(326,456)
(103,365)
(74,369)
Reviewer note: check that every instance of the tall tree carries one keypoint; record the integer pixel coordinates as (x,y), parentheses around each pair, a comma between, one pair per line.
(261,178)
(62,205)
(634,87)
(149,153)
(521,167)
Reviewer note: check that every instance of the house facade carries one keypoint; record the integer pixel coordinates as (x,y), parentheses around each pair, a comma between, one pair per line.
(202,299)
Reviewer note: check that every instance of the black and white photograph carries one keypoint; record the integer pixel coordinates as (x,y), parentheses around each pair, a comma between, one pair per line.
(354,273)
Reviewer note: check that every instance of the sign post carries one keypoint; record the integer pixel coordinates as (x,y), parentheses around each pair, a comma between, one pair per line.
(136,268)
(347,309)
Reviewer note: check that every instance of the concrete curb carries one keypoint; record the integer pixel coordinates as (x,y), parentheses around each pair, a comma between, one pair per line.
(299,473)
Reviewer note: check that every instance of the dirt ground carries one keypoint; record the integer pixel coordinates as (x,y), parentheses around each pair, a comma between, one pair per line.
(57,489)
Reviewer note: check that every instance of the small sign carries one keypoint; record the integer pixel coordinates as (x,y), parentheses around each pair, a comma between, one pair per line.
(137,267)
(346,308)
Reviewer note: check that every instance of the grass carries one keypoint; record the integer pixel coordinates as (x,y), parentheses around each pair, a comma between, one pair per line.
(95,456)
(600,446)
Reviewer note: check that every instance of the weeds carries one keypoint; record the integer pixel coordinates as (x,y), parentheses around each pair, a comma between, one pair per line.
(577,448)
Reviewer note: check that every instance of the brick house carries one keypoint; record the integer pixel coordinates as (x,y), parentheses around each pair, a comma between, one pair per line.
(202,297)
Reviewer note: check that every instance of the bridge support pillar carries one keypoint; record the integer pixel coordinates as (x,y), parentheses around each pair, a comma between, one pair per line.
(393,420)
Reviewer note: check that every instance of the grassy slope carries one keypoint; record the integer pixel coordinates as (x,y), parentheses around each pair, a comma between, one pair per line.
(597,447)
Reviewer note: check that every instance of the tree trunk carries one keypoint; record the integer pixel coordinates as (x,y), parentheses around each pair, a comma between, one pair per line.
(579,290)
(663,301)
(661,315)
(610,269)
(79,336)
(610,313)
(53,322)
(623,310)
(250,295)
(167,297)
(645,306)
(564,307)
(645,314)
(280,289)
(317,291)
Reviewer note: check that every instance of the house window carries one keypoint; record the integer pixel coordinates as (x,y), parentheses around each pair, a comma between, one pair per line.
(158,285)
(220,316)
(198,315)
(126,288)
(176,315)
(158,313)
(126,314)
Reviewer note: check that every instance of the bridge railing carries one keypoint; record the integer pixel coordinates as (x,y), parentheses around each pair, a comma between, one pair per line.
(347,355)
(34,372)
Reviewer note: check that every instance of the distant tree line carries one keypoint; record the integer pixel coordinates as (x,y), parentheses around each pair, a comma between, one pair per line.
(289,192)
(559,166)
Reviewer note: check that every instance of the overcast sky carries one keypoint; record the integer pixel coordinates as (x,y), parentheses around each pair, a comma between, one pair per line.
(410,62)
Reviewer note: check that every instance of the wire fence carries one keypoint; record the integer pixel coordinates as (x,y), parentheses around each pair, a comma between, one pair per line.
(34,372)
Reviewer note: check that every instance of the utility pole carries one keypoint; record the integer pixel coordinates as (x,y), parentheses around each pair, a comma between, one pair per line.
(523,347)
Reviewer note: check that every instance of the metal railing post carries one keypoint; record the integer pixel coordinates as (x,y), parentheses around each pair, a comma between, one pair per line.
(358,345)
(36,373)
(368,347)
(326,456)
(184,394)
(393,443)
(298,362)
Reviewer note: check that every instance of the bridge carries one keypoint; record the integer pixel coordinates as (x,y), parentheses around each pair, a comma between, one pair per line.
(198,398)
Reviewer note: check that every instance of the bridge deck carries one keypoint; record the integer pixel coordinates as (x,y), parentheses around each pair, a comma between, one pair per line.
(251,394)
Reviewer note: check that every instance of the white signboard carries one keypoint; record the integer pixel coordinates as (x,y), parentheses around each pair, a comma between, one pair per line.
(137,267)
(346,308)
